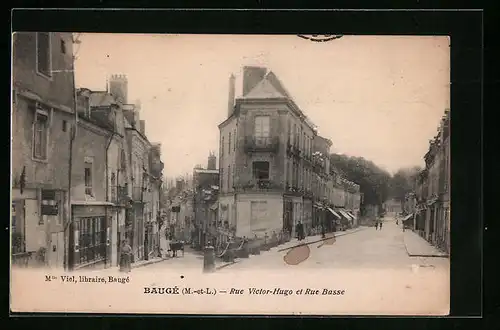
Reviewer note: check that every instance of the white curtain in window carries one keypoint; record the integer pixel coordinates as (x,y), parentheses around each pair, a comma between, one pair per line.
(262,124)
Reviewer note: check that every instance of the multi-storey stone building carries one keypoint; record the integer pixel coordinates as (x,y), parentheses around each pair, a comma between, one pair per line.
(205,203)
(432,190)
(263,176)
(274,168)
(43,117)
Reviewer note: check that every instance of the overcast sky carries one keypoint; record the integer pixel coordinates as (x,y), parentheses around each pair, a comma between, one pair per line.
(380,98)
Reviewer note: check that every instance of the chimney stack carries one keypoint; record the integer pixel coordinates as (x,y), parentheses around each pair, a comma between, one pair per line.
(230,102)
(212,162)
(142,126)
(252,75)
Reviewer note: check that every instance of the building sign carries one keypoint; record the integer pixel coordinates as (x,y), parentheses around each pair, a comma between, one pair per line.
(50,207)
(49,203)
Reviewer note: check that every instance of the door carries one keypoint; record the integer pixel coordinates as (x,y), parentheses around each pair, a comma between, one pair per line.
(56,250)
(35,230)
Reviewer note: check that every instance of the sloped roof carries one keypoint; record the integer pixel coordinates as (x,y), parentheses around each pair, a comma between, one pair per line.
(101,99)
(268,87)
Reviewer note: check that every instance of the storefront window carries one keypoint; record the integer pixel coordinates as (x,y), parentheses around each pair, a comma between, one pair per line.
(92,239)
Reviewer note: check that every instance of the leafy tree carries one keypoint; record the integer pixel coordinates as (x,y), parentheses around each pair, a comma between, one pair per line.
(373,181)
(402,182)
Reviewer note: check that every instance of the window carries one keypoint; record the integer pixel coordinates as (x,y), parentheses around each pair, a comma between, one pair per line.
(258,216)
(64,125)
(122,159)
(222,178)
(290,136)
(88,176)
(40,135)
(234,144)
(43,62)
(229,144)
(262,124)
(261,170)
(92,239)
(63,46)
(13,214)
(222,147)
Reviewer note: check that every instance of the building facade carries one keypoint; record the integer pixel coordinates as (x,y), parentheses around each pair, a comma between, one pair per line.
(43,115)
(274,168)
(205,204)
(432,190)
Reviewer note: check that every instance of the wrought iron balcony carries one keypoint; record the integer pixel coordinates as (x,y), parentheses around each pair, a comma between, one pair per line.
(261,144)
(261,185)
(119,195)
(293,150)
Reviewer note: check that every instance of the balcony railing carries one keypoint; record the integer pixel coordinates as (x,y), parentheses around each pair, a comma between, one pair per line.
(260,185)
(293,150)
(119,195)
(261,144)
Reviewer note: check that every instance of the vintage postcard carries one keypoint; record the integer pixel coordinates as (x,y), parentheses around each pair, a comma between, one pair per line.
(230,174)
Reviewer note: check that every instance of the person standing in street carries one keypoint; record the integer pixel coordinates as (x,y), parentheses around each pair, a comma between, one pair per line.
(125,257)
(376,225)
(380,225)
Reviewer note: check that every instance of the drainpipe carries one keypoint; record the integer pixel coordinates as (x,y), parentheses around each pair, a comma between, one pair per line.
(73,134)
(107,197)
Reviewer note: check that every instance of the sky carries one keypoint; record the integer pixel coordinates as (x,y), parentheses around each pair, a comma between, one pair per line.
(377,97)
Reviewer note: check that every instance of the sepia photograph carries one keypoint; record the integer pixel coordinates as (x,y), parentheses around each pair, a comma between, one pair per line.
(230,174)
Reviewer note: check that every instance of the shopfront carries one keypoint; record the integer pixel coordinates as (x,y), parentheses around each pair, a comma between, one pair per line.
(90,236)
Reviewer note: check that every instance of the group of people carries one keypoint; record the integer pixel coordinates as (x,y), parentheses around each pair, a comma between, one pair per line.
(378,224)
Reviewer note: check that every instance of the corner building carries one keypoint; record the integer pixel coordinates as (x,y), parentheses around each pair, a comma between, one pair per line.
(266,146)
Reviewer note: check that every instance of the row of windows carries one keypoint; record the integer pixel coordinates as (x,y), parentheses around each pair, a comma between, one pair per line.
(231,143)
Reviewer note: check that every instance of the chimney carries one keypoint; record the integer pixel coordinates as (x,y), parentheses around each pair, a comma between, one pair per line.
(212,162)
(230,102)
(118,87)
(179,184)
(142,126)
(252,75)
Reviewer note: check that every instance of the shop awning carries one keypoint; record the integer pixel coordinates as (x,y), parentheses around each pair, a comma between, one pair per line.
(344,214)
(334,213)
(351,215)
(319,206)
(408,217)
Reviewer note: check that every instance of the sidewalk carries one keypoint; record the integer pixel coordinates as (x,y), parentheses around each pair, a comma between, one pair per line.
(416,246)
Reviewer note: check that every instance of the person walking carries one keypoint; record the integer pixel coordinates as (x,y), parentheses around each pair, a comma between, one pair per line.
(376,225)
(380,225)
(125,257)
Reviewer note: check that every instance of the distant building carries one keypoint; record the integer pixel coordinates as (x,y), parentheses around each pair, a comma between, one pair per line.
(432,192)
(205,203)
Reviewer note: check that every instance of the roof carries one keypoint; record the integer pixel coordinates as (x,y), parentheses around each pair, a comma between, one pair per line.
(101,99)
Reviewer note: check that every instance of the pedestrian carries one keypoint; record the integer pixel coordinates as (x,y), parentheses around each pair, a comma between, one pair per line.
(323,231)
(301,231)
(125,257)
(380,225)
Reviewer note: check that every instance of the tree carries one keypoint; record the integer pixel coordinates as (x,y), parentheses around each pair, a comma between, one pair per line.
(403,182)
(373,181)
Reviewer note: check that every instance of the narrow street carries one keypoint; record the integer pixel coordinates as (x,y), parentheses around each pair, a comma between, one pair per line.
(366,248)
